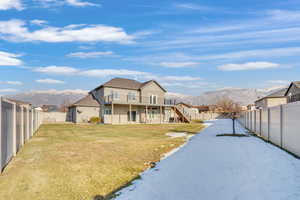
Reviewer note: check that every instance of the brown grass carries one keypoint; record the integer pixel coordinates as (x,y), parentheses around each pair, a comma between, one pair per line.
(78,162)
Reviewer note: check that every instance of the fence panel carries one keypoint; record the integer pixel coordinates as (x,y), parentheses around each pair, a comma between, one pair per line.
(257,122)
(30,123)
(291,127)
(6,132)
(18,127)
(265,124)
(25,124)
(253,121)
(275,125)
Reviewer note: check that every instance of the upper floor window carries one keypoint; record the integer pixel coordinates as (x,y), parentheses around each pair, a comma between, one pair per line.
(153,99)
(131,96)
(114,95)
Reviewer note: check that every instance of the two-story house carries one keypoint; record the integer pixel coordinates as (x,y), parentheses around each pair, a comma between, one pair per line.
(125,101)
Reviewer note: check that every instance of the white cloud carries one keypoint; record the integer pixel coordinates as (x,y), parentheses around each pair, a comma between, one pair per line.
(11,82)
(192,6)
(16,30)
(8,90)
(248,66)
(63,70)
(283,82)
(113,72)
(258,53)
(10,4)
(76,3)
(38,22)
(49,81)
(9,59)
(80,3)
(105,73)
(94,54)
(178,64)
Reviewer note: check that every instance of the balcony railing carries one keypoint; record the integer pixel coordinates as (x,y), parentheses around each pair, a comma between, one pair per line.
(127,99)
(293,98)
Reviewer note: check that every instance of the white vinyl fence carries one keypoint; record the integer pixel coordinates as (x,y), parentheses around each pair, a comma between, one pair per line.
(279,125)
(18,123)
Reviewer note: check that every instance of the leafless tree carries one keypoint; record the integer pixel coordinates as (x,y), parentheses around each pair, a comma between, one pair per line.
(230,109)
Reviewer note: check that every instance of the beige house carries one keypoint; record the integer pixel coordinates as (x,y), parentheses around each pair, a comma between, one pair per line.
(124,101)
(82,110)
(274,99)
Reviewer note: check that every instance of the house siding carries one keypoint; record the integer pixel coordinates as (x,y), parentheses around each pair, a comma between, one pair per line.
(82,114)
(152,89)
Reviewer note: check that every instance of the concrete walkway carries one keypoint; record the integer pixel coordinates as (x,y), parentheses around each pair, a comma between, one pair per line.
(221,168)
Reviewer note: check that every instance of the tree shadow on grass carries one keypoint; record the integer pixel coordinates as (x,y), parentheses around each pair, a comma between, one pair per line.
(113,194)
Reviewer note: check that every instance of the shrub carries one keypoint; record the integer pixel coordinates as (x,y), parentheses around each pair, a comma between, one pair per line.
(197,121)
(95,120)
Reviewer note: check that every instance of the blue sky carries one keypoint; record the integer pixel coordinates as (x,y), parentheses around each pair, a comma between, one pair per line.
(188,46)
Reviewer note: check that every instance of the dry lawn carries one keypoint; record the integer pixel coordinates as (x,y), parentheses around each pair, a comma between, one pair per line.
(79,162)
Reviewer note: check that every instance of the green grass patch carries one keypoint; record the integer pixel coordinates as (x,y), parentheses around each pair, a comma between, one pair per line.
(82,162)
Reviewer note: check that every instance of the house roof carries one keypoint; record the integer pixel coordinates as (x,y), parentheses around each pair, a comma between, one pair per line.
(296,83)
(277,94)
(124,83)
(88,101)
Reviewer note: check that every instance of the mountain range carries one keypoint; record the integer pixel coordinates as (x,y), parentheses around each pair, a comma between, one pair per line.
(56,97)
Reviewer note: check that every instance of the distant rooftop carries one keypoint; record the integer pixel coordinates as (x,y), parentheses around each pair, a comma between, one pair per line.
(277,94)
(125,83)
(86,101)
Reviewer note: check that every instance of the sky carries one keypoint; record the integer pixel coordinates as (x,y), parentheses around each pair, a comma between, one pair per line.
(189,47)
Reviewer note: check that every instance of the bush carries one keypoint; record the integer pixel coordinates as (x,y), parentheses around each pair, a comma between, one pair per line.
(197,121)
(95,120)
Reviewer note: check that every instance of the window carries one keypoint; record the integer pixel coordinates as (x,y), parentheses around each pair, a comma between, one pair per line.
(107,111)
(114,95)
(153,99)
(131,96)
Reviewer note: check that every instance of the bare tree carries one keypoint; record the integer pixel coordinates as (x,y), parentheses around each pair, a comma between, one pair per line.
(230,109)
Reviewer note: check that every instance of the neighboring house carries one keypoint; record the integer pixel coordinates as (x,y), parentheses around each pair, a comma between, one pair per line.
(82,110)
(125,101)
(202,108)
(293,92)
(251,107)
(274,99)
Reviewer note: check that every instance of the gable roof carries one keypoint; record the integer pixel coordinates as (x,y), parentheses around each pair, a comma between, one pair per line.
(277,94)
(296,83)
(87,101)
(125,83)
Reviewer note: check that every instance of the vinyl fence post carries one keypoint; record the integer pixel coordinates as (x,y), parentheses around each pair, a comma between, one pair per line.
(14,129)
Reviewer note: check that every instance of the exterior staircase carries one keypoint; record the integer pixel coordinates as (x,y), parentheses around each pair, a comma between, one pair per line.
(183,116)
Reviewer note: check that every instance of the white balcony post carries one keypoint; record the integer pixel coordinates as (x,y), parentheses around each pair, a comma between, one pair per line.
(160,113)
(146,114)
(112,113)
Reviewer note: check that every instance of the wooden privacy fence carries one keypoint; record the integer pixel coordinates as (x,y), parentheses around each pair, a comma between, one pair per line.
(279,125)
(18,123)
